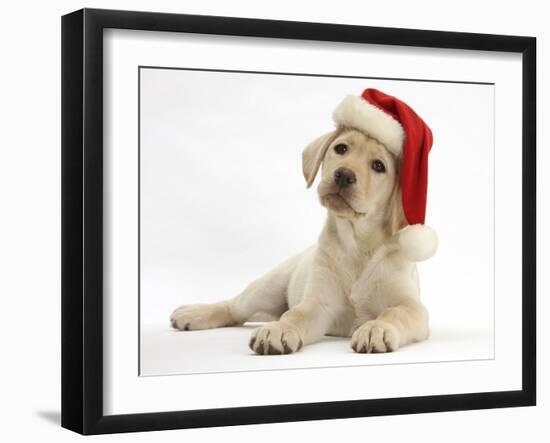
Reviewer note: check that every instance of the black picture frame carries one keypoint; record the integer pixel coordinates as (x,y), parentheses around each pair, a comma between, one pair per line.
(82,220)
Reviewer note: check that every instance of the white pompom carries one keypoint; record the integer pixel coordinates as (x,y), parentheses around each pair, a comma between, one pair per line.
(417,242)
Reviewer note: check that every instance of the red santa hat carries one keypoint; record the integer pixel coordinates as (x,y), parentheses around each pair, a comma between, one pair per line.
(394,124)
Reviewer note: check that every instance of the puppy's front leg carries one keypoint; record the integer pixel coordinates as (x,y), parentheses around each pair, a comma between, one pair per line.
(307,322)
(394,327)
(303,324)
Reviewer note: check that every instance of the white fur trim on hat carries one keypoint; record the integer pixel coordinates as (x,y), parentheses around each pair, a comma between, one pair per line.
(417,242)
(356,112)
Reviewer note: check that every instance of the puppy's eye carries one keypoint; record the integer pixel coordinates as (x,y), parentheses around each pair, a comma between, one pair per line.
(378,166)
(340,149)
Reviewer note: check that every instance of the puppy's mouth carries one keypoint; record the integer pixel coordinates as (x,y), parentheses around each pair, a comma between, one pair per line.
(339,204)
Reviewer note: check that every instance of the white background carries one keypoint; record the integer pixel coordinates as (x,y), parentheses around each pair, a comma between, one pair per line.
(223,201)
(30,227)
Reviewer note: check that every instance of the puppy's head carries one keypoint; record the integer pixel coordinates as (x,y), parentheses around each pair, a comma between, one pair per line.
(360,178)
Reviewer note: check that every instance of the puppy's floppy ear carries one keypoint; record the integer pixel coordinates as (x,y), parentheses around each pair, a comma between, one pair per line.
(313,155)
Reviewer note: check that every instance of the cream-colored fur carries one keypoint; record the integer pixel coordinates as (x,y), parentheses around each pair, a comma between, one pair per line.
(354,282)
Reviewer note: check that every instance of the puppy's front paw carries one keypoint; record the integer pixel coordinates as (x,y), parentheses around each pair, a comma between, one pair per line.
(375,336)
(276,338)
(196,317)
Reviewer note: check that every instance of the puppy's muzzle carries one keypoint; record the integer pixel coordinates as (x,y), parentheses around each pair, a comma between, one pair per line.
(344,177)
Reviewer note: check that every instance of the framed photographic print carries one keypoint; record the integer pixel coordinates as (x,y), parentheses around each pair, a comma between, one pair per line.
(269,221)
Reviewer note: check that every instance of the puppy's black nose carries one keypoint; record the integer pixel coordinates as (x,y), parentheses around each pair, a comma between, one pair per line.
(344,177)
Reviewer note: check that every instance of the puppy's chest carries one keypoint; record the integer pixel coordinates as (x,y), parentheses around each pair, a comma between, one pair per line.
(355,295)
(361,282)
(351,271)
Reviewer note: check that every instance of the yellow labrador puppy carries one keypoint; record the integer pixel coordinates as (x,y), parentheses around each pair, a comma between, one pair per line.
(360,280)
